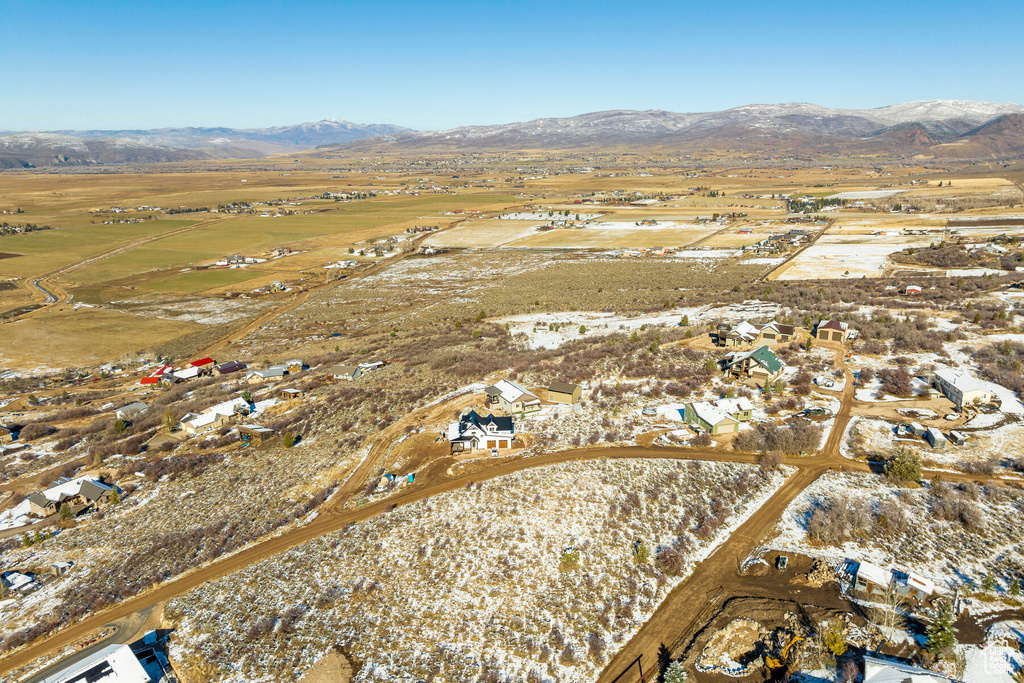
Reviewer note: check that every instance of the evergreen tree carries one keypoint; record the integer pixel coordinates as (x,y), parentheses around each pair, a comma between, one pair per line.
(675,673)
(115,497)
(1015,588)
(65,511)
(941,634)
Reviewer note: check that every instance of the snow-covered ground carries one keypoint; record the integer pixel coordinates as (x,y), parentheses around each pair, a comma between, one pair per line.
(474,580)
(551,330)
(943,551)
(865,194)
(852,256)
(15,516)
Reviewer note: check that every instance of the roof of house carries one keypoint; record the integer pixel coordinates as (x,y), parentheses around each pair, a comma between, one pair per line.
(762,355)
(201,361)
(133,408)
(710,413)
(199,421)
(291,391)
(112,664)
(339,370)
(936,434)
(563,387)
(832,325)
(743,330)
(961,380)
(504,424)
(886,671)
(512,392)
(874,574)
(89,487)
(788,330)
(734,405)
(273,371)
(230,366)
(187,373)
(228,408)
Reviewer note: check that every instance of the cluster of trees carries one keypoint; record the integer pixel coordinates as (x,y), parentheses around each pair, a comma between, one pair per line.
(17,229)
(801,436)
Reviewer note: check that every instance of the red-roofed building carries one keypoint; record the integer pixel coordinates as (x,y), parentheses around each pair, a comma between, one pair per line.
(203,362)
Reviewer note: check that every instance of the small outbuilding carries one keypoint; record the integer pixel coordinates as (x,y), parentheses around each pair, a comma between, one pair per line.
(958,438)
(563,392)
(228,368)
(254,434)
(935,438)
(289,394)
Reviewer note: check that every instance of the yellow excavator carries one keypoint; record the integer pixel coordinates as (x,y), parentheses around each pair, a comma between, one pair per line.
(778,663)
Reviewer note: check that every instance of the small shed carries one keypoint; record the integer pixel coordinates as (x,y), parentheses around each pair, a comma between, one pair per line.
(935,438)
(871,578)
(563,392)
(254,434)
(288,394)
(958,438)
(917,429)
(912,289)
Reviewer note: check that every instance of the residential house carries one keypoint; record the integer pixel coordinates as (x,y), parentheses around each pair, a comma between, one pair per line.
(131,411)
(935,438)
(197,423)
(80,493)
(834,330)
(739,409)
(228,368)
(472,432)
(962,388)
(274,372)
(742,334)
(294,366)
(191,372)
(760,365)
(777,333)
(563,392)
(887,671)
(18,584)
(710,417)
(111,664)
(512,397)
(345,372)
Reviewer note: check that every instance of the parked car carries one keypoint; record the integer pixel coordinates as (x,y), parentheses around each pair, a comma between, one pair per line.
(952,416)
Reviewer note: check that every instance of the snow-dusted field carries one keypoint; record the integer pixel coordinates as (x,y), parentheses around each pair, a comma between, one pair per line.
(915,535)
(473,582)
(866,194)
(551,330)
(833,256)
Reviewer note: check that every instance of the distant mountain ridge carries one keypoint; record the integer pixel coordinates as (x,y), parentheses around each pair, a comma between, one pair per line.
(942,128)
(79,147)
(900,128)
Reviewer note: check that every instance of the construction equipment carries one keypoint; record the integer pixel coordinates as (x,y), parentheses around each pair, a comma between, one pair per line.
(778,662)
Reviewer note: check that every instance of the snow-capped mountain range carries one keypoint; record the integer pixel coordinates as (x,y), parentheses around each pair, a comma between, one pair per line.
(940,127)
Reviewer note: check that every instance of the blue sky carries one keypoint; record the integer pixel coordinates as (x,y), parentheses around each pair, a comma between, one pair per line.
(103,64)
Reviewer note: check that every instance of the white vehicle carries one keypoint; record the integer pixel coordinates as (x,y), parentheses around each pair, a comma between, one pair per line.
(952,416)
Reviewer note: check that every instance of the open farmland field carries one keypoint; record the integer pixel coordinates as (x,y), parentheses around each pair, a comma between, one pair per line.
(81,336)
(617,234)
(836,256)
(484,233)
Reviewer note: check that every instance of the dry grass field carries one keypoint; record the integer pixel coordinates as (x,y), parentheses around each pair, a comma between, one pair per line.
(142,266)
